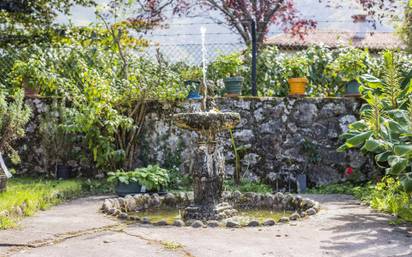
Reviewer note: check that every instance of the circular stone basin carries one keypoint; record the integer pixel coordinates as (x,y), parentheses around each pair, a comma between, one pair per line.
(207,121)
(254,209)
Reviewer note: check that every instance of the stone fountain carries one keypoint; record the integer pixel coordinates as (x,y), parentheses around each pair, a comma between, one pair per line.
(208,164)
(208,160)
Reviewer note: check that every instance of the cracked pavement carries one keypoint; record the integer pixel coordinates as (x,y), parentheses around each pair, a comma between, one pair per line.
(77,228)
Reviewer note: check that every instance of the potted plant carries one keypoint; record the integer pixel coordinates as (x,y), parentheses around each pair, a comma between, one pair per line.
(29,91)
(296,70)
(14,114)
(192,77)
(348,67)
(151,179)
(228,67)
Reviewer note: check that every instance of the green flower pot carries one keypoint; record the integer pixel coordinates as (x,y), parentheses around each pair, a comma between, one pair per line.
(352,89)
(123,189)
(233,86)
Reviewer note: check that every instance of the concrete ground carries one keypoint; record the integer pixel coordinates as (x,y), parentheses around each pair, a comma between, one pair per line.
(77,229)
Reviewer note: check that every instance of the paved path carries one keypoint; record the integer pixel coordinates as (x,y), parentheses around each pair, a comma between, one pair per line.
(77,229)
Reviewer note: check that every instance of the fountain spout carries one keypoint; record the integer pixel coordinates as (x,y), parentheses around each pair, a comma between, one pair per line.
(204,67)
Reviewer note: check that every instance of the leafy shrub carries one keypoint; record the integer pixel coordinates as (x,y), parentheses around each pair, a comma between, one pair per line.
(296,66)
(384,128)
(389,196)
(179,181)
(225,66)
(14,114)
(151,177)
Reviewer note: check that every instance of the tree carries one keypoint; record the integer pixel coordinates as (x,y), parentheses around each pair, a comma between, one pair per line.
(32,20)
(406,28)
(239,14)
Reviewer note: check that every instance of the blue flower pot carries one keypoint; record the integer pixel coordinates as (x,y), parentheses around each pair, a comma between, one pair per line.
(193,93)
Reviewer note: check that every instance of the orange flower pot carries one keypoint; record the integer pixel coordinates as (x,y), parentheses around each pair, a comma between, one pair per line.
(297,86)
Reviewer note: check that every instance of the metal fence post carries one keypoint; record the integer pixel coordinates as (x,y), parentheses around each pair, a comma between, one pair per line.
(254,58)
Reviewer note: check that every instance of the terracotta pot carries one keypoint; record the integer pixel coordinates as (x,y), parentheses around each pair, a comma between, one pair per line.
(297,86)
(28,91)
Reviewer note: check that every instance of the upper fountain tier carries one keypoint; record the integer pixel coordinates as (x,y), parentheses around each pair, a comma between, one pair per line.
(207,121)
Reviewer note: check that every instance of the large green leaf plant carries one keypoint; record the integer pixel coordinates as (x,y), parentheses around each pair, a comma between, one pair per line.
(385,127)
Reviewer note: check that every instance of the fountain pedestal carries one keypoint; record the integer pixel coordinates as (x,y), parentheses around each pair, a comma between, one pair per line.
(208,164)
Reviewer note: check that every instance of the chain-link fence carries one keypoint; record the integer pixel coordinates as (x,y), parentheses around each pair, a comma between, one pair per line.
(276,58)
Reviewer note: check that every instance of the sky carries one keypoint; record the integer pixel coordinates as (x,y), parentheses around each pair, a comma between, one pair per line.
(185,31)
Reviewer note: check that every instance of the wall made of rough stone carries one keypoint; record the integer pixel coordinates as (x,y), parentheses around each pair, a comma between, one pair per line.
(283,137)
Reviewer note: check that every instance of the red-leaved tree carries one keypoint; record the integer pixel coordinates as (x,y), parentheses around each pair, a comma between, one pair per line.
(239,14)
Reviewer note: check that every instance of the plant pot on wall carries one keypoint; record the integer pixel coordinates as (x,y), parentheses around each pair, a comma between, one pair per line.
(29,91)
(123,189)
(297,86)
(352,89)
(233,86)
(194,86)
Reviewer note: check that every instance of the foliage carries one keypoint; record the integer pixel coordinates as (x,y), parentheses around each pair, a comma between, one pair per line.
(107,98)
(32,21)
(56,142)
(239,152)
(225,66)
(349,65)
(40,194)
(191,73)
(384,128)
(296,66)
(179,181)
(151,177)
(14,114)
(389,196)
(361,192)
(406,28)
(328,70)
(247,186)
(386,195)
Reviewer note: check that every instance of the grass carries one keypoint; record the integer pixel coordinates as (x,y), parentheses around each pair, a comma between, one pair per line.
(247,186)
(386,196)
(32,195)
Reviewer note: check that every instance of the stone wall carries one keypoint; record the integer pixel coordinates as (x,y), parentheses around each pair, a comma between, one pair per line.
(283,137)
(280,137)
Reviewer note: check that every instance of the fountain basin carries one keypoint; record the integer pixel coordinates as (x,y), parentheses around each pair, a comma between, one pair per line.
(207,121)
(168,209)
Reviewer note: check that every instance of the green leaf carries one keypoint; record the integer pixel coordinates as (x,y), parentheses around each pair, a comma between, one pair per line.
(383,157)
(373,145)
(403,150)
(397,165)
(358,140)
(358,125)
(406,182)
